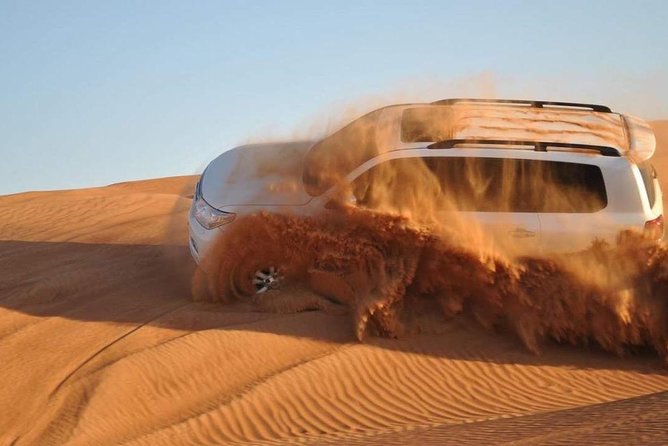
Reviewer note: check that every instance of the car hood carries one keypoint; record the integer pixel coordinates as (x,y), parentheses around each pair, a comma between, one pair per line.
(267,174)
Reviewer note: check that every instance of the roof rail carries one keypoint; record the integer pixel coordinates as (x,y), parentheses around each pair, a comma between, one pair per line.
(536,104)
(539,146)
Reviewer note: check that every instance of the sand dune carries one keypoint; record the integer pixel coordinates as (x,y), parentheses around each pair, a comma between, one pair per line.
(101,344)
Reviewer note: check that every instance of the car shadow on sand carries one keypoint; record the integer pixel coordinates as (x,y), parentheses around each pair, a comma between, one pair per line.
(140,285)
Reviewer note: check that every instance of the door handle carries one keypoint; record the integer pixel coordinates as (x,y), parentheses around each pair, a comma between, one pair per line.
(522,233)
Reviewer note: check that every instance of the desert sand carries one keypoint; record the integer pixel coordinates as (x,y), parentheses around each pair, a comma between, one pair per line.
(101,344)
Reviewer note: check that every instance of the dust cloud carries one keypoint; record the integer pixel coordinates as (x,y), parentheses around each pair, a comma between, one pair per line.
(390,274)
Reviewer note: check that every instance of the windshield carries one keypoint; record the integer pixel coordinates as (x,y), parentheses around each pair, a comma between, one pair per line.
(331,159)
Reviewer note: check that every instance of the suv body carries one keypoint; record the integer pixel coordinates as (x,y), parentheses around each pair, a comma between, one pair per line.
(594,163)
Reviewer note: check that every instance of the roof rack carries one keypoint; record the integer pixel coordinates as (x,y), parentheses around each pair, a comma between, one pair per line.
(536,104)
(539,146)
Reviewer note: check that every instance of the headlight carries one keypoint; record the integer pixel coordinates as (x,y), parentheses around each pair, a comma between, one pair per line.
(208,216)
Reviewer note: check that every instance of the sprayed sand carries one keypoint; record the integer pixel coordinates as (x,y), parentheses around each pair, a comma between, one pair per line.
(393,278)
(101,344)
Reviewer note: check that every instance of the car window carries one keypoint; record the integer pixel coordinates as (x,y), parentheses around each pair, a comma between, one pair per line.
(483,185)
(331,159)
(648,175)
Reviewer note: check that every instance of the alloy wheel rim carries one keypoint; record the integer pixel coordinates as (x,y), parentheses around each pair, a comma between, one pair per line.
(266,279)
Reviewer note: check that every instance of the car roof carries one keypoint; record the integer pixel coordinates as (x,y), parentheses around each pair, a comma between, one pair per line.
(406,126)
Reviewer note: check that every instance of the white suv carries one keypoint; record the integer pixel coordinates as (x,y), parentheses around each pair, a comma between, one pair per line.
(540,176)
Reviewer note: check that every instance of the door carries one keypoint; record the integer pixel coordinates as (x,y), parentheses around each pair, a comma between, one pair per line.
(513,233)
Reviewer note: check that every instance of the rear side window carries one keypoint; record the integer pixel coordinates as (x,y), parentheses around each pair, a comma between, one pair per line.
(648,175)
(484,185)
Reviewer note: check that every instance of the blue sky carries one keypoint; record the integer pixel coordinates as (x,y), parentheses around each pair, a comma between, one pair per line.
(98,92)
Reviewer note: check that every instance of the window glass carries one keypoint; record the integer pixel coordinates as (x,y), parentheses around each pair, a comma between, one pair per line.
(648,174)
(483,185)
(331,159)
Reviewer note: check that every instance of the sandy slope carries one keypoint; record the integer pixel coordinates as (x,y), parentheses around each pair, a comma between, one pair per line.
(101,345)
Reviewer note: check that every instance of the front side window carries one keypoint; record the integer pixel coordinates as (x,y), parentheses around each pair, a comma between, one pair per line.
(483,185)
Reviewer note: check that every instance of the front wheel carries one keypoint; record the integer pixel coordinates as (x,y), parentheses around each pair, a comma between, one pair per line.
(267,279)
(261,253)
